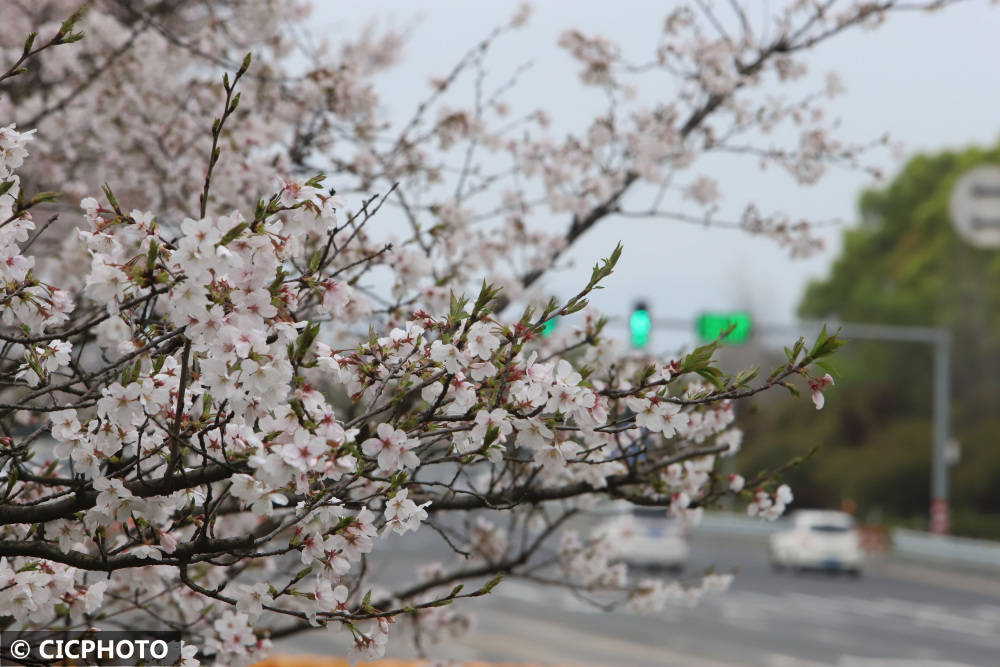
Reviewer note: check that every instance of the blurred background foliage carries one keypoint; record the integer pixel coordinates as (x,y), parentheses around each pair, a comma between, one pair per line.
(902,264)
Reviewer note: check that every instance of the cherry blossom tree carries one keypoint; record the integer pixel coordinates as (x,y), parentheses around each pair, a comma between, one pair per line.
(224,385)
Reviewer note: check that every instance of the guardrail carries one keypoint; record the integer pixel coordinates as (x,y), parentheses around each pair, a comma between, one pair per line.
(945,549)
(731,523)
(904,543)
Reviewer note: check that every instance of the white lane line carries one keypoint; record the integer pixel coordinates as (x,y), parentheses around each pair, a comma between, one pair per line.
(939,577)
(778,660)
(858,661)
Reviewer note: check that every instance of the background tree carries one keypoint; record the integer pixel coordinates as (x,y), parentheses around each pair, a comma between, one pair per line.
(904,264)
(225,382)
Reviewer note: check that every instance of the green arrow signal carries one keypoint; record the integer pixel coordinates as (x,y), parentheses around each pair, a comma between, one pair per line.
(712,325)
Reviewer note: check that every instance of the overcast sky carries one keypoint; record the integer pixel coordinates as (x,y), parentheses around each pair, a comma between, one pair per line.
(931,80)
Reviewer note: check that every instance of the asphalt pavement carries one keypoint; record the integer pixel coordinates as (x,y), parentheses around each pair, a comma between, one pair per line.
(896,614)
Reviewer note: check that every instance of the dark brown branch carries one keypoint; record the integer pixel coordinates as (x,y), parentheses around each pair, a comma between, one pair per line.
(86,496)
(527,494)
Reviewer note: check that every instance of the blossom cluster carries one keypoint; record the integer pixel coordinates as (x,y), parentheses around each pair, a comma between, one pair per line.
(770,506)
(215,430)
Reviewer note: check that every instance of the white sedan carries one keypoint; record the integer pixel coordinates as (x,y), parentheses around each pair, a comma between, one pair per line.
(654,540)
(818,539)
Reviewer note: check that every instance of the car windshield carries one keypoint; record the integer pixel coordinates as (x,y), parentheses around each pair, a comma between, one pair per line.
(829,528)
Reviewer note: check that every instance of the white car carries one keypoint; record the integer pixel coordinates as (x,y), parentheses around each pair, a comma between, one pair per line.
(654,540)
(818,539)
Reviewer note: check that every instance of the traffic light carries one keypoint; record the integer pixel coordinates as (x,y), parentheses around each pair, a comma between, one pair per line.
(549,327)
(640,325)
(712,325)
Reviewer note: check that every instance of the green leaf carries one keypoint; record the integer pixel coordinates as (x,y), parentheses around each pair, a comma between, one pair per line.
(744,376)
(305,340)
(699,358)
(820,339)
(828,367)
(713,376)
(604,268)
(43,197)
(232,234)
(316,181)
(792,353)
(439,603)
(825,345)
(12,478)
(492,433)
(154,251)
(111,198)
(456,312)
(486,295)
(488,587)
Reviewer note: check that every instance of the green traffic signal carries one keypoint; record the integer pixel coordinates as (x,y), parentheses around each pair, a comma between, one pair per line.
(549,327)
(641,326)
(712,325)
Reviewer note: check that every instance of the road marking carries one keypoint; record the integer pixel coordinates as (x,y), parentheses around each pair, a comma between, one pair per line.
(967,582)
(756,610)
(857,661)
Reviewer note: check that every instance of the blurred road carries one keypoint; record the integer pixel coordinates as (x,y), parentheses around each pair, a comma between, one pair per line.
(897,614)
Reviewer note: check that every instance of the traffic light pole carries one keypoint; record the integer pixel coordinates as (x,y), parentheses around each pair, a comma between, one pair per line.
(938,337)
(940,511)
